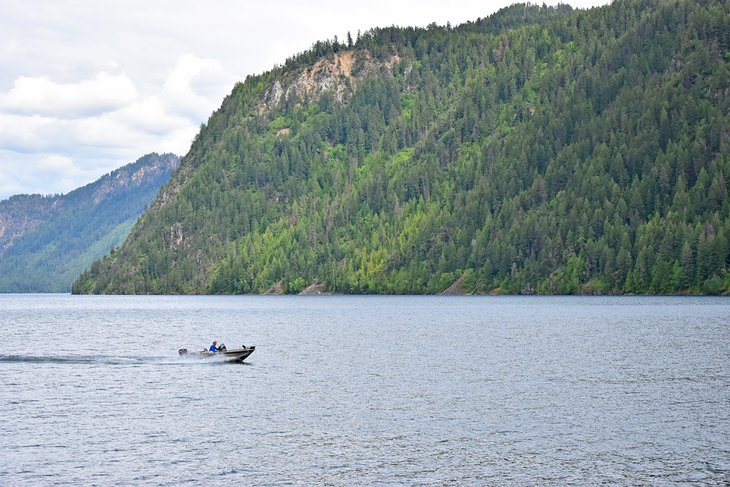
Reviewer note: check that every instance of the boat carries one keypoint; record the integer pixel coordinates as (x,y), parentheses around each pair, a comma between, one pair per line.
(222,355)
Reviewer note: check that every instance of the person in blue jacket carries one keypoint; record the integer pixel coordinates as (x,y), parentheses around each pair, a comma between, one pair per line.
(213,347)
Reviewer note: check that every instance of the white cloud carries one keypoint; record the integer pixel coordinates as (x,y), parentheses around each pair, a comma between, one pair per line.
(149,115)
(42,96)
(190,84)
(32,173)
(21,133)
(63,135)
(56,163)
(62,170)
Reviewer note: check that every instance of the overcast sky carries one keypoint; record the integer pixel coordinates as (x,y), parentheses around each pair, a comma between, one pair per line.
(88,86)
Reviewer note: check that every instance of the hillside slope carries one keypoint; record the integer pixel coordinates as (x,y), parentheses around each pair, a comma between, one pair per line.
(47,241)
(540,150)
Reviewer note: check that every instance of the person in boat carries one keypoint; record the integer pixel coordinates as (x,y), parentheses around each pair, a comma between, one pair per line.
(213,347)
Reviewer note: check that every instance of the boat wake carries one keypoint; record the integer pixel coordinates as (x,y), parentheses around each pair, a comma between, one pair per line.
(86,359)
(99,360)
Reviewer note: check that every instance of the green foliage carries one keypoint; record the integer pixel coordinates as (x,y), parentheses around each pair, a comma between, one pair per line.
(60,236)
(541,150)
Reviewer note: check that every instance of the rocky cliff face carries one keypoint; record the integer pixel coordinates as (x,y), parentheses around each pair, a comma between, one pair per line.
(337,75)
(134,175)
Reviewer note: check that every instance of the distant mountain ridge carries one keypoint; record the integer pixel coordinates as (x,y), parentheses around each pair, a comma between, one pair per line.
(539,150)
(46,241)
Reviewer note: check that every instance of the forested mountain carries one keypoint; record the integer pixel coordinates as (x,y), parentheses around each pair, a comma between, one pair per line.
(539,150)
(47,241)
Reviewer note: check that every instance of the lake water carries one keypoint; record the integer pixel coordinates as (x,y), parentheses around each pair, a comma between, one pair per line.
(365,391)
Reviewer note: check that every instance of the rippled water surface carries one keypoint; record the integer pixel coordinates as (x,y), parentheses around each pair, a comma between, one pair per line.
(365,391)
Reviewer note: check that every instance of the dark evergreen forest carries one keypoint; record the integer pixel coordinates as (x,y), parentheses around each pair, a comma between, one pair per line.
(539,150)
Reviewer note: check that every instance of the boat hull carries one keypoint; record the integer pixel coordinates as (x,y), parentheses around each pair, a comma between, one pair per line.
(233,355)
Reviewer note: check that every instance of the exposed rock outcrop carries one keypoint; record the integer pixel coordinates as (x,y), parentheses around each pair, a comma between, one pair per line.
(314,289)
(276,289)
(456,289)
(133,175)
(336,74)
